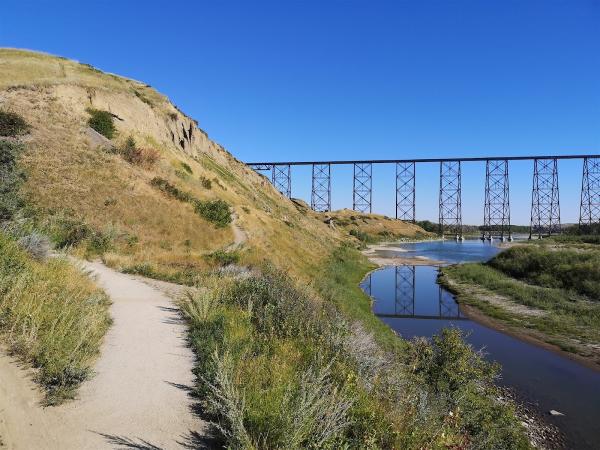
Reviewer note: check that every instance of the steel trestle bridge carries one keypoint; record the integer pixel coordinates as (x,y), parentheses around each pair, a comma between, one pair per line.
(545,200)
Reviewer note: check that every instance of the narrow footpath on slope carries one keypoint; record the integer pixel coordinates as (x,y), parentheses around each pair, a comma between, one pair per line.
(139,396)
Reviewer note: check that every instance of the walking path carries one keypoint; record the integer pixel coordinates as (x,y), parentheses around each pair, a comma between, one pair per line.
(139,397)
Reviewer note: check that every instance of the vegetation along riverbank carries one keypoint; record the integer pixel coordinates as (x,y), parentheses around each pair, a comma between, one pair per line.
(546,291)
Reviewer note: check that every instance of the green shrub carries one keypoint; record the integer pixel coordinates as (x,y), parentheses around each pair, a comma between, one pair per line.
(52,316)
(187,168)
(215,211)
(171,190)
(206,183)
(11,177)
(102,122)
(12,124)
(69,232)
(144,157)
(223,258)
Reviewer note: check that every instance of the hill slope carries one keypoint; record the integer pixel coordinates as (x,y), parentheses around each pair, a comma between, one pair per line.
(73,180)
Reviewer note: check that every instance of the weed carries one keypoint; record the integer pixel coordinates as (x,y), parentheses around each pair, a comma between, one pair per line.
(102,122)
(12,124)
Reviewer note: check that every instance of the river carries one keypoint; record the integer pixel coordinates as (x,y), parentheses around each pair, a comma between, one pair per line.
(410,301)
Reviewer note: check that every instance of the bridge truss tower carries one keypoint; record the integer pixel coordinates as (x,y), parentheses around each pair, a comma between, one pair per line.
(362,192)
(405,191)
(496,209)
(450,203)
(281,178)
(405,291)
(320,199)
(545,204)
(589,210)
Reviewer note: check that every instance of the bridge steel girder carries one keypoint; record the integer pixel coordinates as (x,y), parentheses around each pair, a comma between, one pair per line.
(545,199)
(496,209)
(450,202)
(405,191)
(281,178)
(320,199)
(404,300)
(362,192)
(589,209)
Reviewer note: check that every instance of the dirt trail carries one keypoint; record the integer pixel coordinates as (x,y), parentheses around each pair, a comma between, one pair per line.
(139,397)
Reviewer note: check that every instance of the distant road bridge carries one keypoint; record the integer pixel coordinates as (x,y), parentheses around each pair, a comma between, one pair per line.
(545,203)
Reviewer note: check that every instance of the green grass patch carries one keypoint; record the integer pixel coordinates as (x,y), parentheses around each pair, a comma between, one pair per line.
(52,316)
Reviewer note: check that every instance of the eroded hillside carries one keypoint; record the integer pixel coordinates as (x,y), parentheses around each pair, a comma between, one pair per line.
(73,177)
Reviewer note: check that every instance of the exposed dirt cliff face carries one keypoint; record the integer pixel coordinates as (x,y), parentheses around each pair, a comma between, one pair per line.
(72,175)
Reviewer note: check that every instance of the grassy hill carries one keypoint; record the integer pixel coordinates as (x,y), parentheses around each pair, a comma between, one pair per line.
(74,180)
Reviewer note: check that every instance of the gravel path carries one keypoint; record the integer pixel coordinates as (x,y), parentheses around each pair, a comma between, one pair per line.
(139,397)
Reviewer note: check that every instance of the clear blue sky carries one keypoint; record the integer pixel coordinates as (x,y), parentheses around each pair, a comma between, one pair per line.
(288,80)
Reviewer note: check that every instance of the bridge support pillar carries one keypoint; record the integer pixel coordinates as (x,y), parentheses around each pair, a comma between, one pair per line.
(545,204)
(450,203)
(320,199)
(405,291)
(496,209)
(589,210)
(362,188)
(281,178)
(405,191)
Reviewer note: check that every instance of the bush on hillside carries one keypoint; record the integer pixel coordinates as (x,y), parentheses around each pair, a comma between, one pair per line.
(143,157)
(102,122)
(187,168)
(215,211)
(69,232)
(206,183)
(171,190)
(223,258)
(11,178)
(12,124)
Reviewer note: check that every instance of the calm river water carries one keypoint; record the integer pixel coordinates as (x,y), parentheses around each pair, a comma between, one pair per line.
(409,300)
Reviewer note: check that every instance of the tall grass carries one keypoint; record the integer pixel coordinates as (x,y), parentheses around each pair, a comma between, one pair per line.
(51,315)
(279,368)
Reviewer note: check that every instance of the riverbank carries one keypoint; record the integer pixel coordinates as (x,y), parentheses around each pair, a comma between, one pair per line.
(555,309)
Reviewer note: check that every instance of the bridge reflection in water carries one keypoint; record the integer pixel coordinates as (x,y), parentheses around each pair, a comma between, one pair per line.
(405,297)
